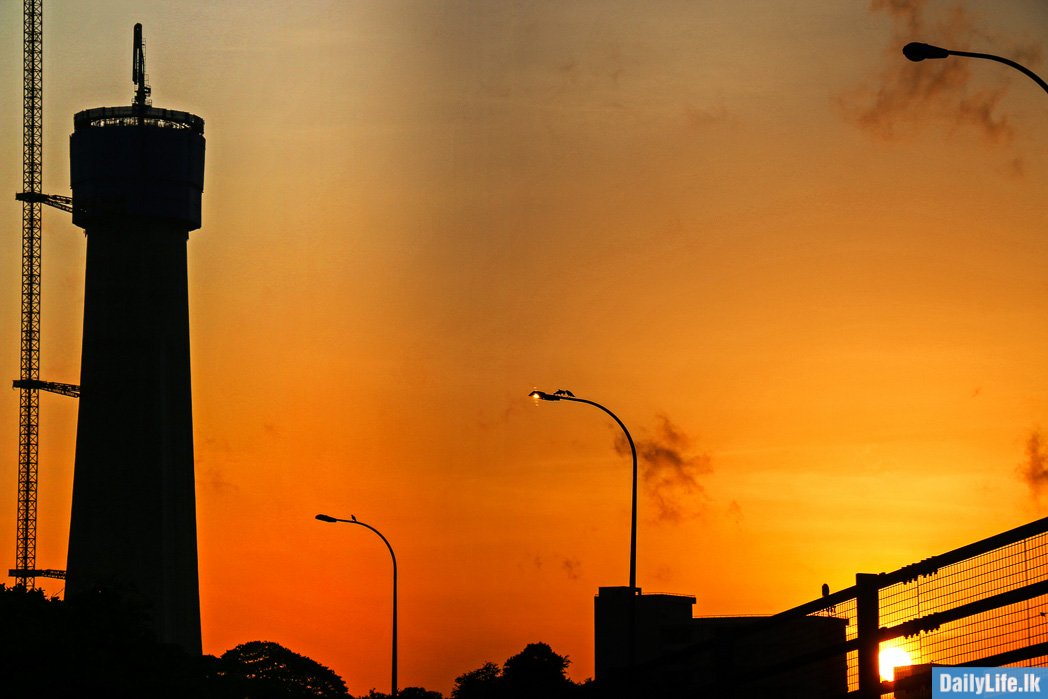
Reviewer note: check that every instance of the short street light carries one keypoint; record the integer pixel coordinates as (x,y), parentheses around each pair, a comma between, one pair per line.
(917,51)
(328,518)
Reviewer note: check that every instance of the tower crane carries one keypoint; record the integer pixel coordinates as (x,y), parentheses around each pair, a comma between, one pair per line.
(29,384)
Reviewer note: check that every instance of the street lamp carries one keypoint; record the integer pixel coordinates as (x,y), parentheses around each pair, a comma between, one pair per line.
(917,51)
(568,395)
(328,518)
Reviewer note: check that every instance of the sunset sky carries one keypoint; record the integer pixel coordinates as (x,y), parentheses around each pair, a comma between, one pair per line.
(810,276)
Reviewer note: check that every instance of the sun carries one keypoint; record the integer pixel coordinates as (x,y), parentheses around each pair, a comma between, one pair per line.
(891,658)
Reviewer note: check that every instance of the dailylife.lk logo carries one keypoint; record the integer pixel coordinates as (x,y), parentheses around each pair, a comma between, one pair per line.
(965,682)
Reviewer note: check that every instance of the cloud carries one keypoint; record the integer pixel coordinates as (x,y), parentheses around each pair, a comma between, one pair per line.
(700,117)
(488,420)
(214,480)
(735,513)
(670,476)
(598,67)
(1015,168)
(907,96)
(1034,470)
(211,453)
(906,12)
(572,567)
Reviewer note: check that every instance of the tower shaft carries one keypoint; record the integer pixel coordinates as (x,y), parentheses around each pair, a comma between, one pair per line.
(139,174)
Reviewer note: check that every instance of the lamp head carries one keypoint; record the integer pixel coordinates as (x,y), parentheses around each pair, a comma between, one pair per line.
(917,51)
(326,518)
(539,395)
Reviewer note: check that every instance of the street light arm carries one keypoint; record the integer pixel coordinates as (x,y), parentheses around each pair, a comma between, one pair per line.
(614,417)
(384,541)
(1029,73)
(329,518)
(916,51)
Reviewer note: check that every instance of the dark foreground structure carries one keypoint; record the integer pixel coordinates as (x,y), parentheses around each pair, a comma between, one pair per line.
(981,605)
(678,655)
(137,177)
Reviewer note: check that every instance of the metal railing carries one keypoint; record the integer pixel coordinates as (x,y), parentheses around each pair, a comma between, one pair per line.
(137,116)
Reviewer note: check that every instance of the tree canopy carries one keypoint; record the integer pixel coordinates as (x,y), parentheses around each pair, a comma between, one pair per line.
(406,693)
(482,683)
(101,644)
(97,645)
(265,669)
(534,672)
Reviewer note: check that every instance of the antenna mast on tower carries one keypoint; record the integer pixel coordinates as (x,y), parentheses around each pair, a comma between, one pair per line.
(138,70)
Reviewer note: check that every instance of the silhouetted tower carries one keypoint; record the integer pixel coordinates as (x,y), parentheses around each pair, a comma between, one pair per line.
(137,174)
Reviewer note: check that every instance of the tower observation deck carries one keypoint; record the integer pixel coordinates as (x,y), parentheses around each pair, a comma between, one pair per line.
(137,175)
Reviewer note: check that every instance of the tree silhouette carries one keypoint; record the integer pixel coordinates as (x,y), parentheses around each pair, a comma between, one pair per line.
(406,693)
(534,672)
(482,683)
(99,644)
(265,670)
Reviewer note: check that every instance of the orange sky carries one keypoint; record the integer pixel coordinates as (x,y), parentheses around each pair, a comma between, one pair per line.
(812,271)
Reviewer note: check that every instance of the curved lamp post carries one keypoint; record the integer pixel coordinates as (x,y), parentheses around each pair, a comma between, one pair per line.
(327,518)
(567,395)
(917,51)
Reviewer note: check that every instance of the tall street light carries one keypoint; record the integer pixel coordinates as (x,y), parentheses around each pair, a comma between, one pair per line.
(917,51)
(327,518)
(568,395)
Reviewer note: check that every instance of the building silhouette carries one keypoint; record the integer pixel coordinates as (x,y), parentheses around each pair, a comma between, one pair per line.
(680,655)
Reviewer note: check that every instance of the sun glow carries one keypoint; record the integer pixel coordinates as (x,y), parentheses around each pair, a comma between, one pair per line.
(891,658)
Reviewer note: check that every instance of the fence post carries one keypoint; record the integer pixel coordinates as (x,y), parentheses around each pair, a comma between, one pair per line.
(867,622)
